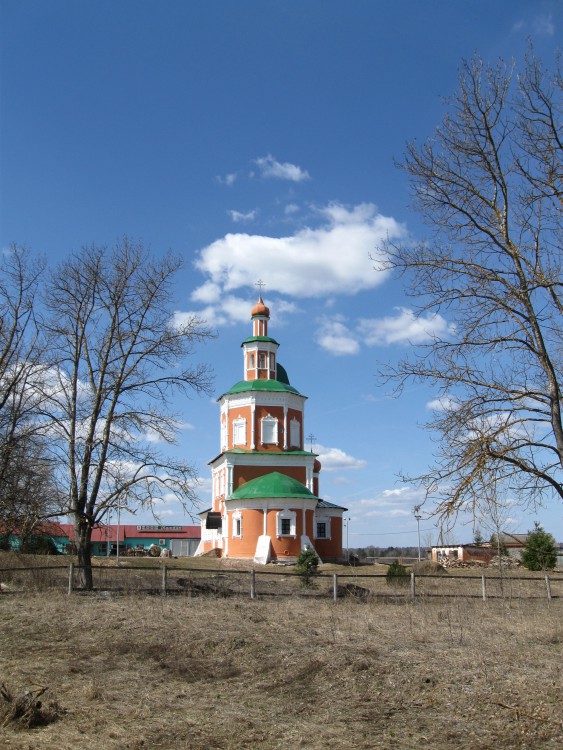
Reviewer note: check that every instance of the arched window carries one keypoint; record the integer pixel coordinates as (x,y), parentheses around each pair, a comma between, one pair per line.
(239,431)
(237,524)
(295,433)
(269,430)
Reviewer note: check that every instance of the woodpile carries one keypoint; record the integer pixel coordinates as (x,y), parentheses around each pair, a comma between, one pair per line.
(504,561)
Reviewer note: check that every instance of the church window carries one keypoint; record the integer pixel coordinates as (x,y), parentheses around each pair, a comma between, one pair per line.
(295,433)
(237,524)
(262,361)
(269,430)
(239,431)
(322,529)
(272,362)
(286,523)
(251,361)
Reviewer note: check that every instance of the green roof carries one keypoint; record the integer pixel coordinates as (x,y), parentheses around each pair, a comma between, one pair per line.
(250,339)
(272,485)
(261,385)
(281,374)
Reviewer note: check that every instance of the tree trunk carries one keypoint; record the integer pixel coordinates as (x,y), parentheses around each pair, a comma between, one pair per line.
(82,540)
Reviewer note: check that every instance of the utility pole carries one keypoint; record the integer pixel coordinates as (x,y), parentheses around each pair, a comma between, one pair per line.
(418,517)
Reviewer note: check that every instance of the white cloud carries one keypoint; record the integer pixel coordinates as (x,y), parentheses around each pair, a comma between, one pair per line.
(541,25)
(443,404)
(403,328)
(291,208)
(308,263)
(238,216)
(395,503)
(544,26)
(335,459)
(335,337)
(228,179)
(270,168)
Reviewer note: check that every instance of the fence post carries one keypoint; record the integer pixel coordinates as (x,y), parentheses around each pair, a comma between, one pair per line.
(413,585)
(253,584)
(70,577)
(335,586)
(164,579)
(548,587)
(484,587)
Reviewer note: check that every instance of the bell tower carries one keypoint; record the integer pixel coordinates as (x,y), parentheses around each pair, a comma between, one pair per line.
(259,350)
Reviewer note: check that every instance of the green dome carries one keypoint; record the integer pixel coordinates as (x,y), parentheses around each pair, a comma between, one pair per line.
(281,374)
(274,485)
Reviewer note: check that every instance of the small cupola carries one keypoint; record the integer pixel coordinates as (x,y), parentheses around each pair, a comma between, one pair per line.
(260,315)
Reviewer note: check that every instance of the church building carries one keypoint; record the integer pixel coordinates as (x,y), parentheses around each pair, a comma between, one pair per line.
(266,502)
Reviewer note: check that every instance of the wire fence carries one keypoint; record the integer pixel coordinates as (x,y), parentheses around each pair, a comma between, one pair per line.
(173,581)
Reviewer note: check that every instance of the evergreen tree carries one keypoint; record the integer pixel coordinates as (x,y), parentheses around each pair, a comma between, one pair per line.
(541,550)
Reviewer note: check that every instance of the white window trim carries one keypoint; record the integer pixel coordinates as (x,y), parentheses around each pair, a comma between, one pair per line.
(290,515)
(295,433)
(239,425)
(272,423)
(326,521)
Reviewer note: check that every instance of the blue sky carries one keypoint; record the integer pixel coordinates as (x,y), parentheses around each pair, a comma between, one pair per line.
(257,139)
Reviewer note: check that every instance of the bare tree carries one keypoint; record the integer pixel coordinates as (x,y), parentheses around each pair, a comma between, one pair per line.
(118,364)
(27,492)
(489,186)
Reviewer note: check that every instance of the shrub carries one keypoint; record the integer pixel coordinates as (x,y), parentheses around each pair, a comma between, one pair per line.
(307,564)
(397,574)
(541,550)
(39,545)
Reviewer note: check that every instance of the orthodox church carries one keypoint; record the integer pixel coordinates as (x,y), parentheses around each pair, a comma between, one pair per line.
(266,503)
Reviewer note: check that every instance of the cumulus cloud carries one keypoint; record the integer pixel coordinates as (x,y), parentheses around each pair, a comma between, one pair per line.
(308,263)
(238,216)
(335,337)
(335,459)
(339,338)
(403,327)
(271,168)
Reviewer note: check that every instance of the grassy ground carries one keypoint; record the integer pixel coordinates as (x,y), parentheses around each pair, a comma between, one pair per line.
(147,672)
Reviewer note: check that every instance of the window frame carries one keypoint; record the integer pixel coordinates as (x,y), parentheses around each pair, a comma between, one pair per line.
(273,424)
(239,424)
(237,525)
(325,520)
(286,516)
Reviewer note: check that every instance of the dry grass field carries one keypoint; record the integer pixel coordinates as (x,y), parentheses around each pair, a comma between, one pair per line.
(138,672)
